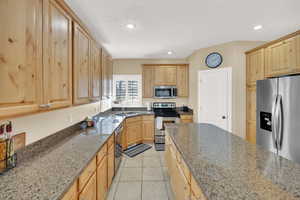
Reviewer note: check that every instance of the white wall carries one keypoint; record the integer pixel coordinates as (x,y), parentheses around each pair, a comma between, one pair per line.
(38,126)
(233,54)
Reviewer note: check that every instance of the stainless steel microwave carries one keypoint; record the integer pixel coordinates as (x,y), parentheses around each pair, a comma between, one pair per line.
(165,92)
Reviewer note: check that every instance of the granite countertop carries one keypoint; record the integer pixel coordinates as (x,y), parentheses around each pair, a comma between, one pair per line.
(46,171)
(228,167)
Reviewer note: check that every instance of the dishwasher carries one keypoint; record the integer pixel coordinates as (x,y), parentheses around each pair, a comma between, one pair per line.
(118,147)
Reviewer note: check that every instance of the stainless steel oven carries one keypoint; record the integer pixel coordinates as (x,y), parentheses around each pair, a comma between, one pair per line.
(165,92)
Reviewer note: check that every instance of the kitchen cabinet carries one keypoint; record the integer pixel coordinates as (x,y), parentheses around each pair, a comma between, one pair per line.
(182,182)
(165,75)
(81,66)
(133,130)
(298,50)
(182,81)
(90,190)
(57,51)
(251,131)
(186,118)
(72,193)
(86,174)
(95,67)
(107,71)
(251,114)
(21,63)
(255,66)
(148,128)
(148,81)
(281,58)
(110,164)
(102,178)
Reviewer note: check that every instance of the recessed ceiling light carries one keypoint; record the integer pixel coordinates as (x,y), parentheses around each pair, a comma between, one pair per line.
(130,26)
(258,27)
(170,52)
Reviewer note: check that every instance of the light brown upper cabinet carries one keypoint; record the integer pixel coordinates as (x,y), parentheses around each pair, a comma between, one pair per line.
(255,66)
(281,58)
(20,56)
(104,69)
(109,84)
(95,67)
(298,50)
(81,64)
(165,75)
(182,81)
(57,55)
(148,81)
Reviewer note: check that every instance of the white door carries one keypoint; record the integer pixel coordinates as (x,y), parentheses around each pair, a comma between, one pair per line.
(215,97)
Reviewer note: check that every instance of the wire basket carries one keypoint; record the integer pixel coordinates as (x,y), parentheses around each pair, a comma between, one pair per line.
(8,158)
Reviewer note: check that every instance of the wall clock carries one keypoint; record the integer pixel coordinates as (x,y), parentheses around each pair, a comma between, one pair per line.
(214,60)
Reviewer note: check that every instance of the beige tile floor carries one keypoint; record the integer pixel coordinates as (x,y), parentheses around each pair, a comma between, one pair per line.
(143,177)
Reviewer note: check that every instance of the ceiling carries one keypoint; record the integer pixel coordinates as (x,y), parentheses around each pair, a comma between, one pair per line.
(183,26)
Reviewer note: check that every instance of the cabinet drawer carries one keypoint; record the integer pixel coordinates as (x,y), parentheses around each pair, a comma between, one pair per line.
(110,141)
(186,117)
(72,193)
(133,119)
(148,117)
(101,154)
(196,190)
(86,174)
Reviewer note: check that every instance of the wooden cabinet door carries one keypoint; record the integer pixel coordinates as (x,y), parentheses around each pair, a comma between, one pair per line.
(148,130)
(110,77)
(281,58)
(90,190)
(20,56)
(165,75)
(251,114)
(148,81)
(186,118)
(102,179)
(251,103)
(182,81)
(134,132)
(110,165)
(81,66)
(255,66)
(298,51)
(104,69)
(251,132)
(95,67)
(57,54)
(72,193)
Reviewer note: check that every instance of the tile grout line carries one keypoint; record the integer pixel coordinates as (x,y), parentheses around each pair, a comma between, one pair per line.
(142,181)
(118,181)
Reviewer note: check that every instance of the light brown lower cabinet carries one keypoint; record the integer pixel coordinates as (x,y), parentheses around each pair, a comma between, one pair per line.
(89,192)
(182,182)
(110,165)
(102,179)
(95,180)
(72,194)
(134,130)
(186,119)
(148,128)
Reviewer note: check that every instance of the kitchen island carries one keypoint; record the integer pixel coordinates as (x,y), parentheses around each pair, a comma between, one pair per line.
(223,166)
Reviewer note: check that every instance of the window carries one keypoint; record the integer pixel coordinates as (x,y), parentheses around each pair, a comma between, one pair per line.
(127,89)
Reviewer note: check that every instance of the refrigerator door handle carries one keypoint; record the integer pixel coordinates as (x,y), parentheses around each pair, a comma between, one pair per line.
(280,122)
(274,123)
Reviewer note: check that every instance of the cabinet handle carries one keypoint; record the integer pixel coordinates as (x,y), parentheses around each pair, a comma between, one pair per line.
(45,105)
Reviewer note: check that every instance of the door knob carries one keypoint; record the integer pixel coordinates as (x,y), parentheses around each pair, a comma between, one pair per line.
(223,117)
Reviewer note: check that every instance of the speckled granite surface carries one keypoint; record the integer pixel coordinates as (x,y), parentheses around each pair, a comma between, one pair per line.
(49,167)
(227,167)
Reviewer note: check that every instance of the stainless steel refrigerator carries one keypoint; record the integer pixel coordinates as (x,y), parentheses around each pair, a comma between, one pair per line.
(278,116)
